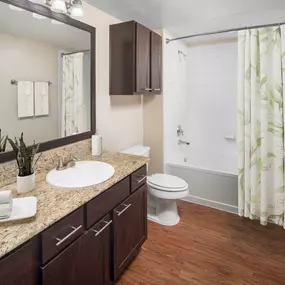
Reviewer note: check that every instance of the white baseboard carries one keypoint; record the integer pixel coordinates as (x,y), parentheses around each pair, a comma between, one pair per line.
(212,204)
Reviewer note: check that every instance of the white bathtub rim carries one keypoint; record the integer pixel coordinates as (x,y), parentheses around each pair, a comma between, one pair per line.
(200,169)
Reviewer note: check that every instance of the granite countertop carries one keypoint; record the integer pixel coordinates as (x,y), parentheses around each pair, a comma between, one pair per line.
(56,203)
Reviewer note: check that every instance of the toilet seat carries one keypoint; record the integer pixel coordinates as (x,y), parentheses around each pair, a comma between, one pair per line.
(167,183)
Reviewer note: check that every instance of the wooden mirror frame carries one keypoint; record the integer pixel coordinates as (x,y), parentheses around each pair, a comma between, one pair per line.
(45,11)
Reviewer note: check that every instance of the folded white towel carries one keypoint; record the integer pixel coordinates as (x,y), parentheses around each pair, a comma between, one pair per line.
(25,99)
(6,204)
(41,99)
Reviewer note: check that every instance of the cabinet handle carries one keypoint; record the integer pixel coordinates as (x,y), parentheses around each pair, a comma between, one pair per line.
(147,89)
(141,178)
(126,207)
(97,233)
(157,89)
(60,241)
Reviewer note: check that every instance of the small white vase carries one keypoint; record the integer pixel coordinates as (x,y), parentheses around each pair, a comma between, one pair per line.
(26,183)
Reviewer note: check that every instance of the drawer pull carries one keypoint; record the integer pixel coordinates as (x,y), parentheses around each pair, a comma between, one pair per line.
(126,207)
(147,89)
(141,178)
(60,241)
(97,233)
(156,89)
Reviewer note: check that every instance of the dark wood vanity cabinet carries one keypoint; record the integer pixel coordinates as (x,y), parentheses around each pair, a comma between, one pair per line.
(135,60)
(86,261)
(92,245)
(130,228)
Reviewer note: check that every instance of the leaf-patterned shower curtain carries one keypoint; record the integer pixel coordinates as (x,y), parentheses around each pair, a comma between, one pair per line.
(74,117)
(261,124)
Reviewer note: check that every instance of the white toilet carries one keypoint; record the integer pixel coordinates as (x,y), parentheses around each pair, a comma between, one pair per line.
(163,191)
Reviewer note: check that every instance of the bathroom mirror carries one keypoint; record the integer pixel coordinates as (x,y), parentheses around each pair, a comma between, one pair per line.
(47,76)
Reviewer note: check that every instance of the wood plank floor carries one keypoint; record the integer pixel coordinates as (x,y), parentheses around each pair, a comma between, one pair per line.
(209,247)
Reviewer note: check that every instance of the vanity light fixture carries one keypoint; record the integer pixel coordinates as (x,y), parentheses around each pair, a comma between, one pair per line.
(58,6)
(69,7)
(76,9)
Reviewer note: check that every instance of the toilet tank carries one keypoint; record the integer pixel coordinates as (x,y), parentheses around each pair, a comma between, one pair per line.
(138,150)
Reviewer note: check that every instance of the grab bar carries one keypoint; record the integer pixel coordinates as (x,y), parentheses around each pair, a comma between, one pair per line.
(183,142)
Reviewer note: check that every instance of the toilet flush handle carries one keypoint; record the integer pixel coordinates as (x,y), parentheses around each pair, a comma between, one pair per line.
(141,178)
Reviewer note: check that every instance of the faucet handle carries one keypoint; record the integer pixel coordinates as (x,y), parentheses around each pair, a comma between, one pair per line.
(60,164)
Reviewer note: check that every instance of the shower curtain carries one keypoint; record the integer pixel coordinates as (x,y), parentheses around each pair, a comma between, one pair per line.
(261,124)
(74,113)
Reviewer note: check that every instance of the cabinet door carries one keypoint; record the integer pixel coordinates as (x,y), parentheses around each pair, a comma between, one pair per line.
(156,63)
(21,267)
(142,59)
(130,229)
(86,261)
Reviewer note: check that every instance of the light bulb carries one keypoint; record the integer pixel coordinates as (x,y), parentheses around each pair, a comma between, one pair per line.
(15,8)
(76,9)
(39,17)
(58,6)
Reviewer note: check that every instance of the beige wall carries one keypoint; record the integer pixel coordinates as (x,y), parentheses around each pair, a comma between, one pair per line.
(27,59)
(153,130)
(119,118)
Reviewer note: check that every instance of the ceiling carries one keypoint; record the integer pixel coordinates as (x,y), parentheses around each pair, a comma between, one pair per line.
(23,24)
(186,17)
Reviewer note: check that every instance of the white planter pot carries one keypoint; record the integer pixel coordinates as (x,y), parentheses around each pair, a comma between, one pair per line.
(26,183)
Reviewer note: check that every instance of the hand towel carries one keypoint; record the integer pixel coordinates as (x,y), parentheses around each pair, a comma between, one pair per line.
(25,99)
(41,98)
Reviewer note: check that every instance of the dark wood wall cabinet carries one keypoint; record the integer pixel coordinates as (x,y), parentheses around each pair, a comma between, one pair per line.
(135,60)
(92,245)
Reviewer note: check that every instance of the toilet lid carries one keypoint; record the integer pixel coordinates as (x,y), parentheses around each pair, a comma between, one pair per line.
(167,182)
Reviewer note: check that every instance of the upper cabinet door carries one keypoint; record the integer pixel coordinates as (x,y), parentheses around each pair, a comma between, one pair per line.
(142,59)
(156,63)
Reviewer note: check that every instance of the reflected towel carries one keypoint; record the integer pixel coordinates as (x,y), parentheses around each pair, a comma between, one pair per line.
(25,99)
(41,99)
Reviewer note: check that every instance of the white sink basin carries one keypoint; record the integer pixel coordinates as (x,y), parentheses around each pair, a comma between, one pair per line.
(83,174)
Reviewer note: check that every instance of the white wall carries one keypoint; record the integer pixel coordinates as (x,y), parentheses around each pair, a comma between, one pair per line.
(211,105)
(119,118)
(174,95)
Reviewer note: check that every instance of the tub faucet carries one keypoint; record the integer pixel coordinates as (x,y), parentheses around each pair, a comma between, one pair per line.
(179,131)
(180,142)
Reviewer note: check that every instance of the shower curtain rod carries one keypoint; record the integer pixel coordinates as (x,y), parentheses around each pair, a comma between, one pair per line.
(223,31)
(69,53)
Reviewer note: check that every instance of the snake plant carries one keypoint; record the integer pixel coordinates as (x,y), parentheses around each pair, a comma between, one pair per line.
(25,155)
(3,142)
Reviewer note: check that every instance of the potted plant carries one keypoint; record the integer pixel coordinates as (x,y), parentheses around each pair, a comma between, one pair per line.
(3,142)
(25,156)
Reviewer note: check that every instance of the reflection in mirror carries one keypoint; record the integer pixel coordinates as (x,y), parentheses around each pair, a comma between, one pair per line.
(44,77)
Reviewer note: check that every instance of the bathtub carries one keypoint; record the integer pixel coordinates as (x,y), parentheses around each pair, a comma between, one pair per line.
(210,184)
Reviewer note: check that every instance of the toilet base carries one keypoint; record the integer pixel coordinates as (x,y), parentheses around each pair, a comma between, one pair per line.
(163,212)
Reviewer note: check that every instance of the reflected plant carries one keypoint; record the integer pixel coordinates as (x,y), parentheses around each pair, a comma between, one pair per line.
(25,155)
(3,142)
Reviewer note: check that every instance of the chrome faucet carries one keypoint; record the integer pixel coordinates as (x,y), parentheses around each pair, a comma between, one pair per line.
(66,163)
(179,131)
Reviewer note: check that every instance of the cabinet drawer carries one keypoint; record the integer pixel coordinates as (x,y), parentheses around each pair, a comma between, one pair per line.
(106,201)
(62,234)
(138,178)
